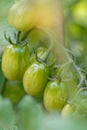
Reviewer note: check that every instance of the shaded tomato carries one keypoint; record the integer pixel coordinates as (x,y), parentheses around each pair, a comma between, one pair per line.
(69,82)
(81,101)
(14,91)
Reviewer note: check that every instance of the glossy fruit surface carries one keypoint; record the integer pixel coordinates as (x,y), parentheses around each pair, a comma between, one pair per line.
(35,79)
(14,61)
(53,98)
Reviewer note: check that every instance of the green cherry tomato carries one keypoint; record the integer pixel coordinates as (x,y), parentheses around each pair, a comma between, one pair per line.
(15,60)
(22,15)
(14,91)
(53,98)
(35,79)
(81,101)
(67,111)
(69,83)
(69,88)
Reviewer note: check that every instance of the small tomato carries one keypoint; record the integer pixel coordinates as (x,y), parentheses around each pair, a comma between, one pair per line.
(35,79)
(53,98)
(15,60)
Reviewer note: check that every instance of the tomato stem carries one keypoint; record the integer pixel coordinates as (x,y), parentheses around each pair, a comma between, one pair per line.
(26,34)
(44,60)
(8,39)
(18,36)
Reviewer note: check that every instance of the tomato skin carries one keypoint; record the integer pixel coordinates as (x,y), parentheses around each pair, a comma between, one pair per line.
(21,15)
(53,99)
(68,110)
(35,79)
(15,60)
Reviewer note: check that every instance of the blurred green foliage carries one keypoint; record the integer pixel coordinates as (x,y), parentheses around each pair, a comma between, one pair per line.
(76,29)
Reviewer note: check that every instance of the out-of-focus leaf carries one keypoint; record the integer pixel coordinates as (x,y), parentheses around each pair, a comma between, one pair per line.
(7,114)
(30,113)
(55,122)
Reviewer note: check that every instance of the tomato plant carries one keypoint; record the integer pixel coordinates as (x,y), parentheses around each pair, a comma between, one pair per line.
(48,71)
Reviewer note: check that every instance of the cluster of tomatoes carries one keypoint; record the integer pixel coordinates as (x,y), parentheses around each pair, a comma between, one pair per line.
(37,69)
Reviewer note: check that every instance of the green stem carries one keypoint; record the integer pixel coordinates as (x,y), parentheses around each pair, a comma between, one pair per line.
(48,53)
(3,87)
(18,36)
(26,34)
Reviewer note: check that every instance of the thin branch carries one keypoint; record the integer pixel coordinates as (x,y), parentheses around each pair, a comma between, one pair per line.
(18,36)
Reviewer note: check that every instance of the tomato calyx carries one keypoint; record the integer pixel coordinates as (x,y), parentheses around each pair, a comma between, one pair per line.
(18,42)
(48,65)
(44,60)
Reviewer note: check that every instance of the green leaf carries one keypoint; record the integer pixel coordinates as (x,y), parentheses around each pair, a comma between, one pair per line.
(7,114)
(30,112)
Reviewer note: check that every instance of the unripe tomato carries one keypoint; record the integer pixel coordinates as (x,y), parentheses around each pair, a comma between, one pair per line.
(69,82)
(35,79)
(53,98)
(81,102)
(14,91)
(68,111)
(22,15)
(69,88)
(15,60)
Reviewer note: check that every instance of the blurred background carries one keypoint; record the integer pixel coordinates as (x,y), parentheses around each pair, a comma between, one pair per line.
(75,12)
